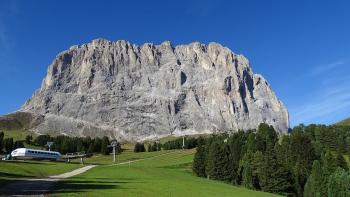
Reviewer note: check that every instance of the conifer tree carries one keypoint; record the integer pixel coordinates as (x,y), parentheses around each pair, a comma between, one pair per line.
(28,139)
(314,182)
(1,141)
(199,162)
(341,161)
(329,165)
(8,144)
(274,177)
(215,162)
(104,144)
(91,148)
(339,184)
(246,168)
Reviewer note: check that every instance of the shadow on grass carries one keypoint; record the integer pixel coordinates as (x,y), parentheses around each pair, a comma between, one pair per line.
(43,186)
(4,175)
(80,186)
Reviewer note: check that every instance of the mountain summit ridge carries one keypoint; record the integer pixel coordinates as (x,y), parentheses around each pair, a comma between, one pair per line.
(132,92)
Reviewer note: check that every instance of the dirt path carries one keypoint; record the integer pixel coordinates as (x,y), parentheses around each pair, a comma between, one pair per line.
(37,187)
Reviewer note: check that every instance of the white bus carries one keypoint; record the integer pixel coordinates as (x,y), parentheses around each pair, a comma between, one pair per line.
(26,153)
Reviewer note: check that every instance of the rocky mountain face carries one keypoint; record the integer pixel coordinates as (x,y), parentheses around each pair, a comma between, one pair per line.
(132,92)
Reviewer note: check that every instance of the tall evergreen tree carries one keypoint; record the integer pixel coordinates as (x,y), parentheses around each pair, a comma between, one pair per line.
(18,144)
(91,148)
(246,168)
(273,176)
(235,152)
(140,147)
(247,176)
(329,165)
(79,145)
(8,145)
(314,182)
(199,162)
(341,161)
(339,184)
(104,144)
(29,139)
(1,141)
(215,162)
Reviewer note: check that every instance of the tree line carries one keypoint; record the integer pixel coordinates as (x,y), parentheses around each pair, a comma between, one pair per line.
(62,144)
(188,143)
(8,144)
(308,162)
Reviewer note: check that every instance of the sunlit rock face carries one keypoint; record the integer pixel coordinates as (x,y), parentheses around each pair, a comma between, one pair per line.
(132,92)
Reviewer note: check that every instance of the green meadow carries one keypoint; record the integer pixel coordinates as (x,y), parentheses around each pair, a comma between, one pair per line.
(161,174)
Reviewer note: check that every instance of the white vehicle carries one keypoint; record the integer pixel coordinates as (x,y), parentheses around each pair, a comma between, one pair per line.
(26,153)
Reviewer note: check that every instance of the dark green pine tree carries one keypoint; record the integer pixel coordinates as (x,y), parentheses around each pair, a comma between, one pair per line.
(283,151)
(64,148)
(329,165)
(339,184)
(8,145)
(199,162)
(347,141)
(18,144)
(80,146)
(215,162)
(236,144)
(246,168)
(341,161)
(104,144)
(1,141)
(28,139)
(91,148)
(300,175)
(274,177)
(314,182)
(154,146)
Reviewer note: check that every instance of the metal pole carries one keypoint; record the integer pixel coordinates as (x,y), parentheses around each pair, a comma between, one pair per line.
(113,154)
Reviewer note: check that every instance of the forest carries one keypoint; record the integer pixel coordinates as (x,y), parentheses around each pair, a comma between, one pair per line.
(310,161)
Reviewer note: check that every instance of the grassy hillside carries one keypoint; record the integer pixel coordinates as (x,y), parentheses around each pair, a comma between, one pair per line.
(17,125)
(344,122)
(164,174)
(17,134)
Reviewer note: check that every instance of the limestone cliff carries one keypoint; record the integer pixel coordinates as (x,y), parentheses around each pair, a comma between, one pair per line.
(136,92)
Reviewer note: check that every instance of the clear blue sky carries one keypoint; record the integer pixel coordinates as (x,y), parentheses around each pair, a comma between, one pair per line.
(301,47)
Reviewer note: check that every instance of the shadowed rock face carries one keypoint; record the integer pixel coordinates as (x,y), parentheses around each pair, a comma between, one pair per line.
(137,92)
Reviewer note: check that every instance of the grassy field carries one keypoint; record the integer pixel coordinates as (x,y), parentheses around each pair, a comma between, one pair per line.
(160,174)
(14,170)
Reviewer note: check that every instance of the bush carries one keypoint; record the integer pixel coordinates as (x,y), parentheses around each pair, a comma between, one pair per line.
(139,147)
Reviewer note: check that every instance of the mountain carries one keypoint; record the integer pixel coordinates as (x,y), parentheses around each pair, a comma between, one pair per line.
(132,92)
